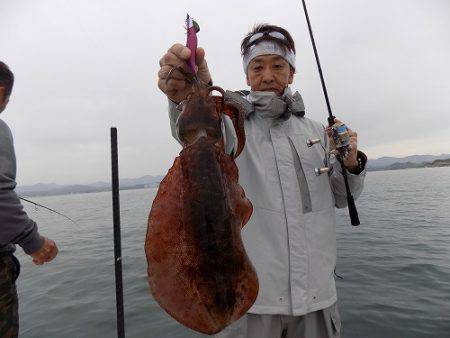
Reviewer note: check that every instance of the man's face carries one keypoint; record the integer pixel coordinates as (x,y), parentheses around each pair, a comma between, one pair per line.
(269,73)
(3,99)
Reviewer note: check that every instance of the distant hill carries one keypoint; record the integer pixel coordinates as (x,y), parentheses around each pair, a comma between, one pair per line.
(40,187)
(441,163)
(386,163)
(409,165)
(50,189)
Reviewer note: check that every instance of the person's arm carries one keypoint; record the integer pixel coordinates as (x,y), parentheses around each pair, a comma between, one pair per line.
(15,225)
(355,166)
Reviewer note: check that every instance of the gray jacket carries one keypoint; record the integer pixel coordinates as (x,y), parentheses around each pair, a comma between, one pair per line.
(290,237)
(15,226)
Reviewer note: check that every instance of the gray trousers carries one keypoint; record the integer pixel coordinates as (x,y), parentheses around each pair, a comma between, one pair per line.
(324,323)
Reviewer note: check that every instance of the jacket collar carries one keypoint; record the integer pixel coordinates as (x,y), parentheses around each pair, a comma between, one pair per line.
(269,105)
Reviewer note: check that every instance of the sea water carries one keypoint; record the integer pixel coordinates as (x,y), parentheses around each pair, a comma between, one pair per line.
(395,265)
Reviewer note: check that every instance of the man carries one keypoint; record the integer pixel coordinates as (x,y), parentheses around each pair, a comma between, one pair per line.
(15,226)
(290,237)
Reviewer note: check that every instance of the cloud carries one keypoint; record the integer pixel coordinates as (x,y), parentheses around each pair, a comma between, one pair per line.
(83,66)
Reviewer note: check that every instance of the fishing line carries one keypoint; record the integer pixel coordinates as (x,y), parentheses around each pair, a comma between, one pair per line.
(50,209)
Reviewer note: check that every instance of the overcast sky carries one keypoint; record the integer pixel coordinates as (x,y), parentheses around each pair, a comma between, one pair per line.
(84,66)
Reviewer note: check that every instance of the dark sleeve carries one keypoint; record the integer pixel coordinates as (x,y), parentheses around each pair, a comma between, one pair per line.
(15,225)
(362,160)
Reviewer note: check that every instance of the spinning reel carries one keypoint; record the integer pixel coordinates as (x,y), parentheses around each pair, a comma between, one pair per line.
(339,146)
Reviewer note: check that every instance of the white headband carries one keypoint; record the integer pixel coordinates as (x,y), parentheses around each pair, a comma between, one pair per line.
(266,48)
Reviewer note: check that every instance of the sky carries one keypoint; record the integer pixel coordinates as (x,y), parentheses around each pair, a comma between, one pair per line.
(84,66)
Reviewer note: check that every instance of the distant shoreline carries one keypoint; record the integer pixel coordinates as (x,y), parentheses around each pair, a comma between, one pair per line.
(149,181)
(49,193)
(53,189)
(154,186)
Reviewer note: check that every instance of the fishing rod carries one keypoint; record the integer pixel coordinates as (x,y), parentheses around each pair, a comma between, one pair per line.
(339,131)
(49,209)
(117,237)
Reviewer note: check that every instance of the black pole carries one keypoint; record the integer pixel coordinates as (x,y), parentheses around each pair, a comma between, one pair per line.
(117,240)
(350,200)
(353,212)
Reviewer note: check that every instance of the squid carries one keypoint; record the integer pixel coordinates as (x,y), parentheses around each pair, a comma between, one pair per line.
(198,270)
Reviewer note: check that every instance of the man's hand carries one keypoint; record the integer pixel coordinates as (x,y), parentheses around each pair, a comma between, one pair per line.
(351,160)
(45,254)
(177,88)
